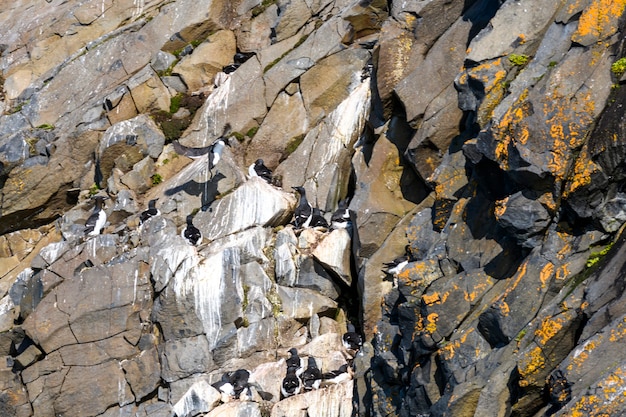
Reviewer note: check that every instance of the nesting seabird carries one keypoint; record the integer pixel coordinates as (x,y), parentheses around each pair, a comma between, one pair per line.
(291,385)
(351,340)
(294,364)
(312,376)
(233,383)
(150,212)
(258,169)
(304,211)
(98,218)
(214,151)
(397,265)
(336,377)
(317,220)
(239,380)
(191,232)
(341,218)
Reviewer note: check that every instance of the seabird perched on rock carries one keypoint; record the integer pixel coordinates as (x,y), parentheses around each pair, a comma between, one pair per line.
(304,211)
(312,376)
(258,169)
(150,212)
(95,222)
(336,377)
(214,151)
(291,385)
(294,364)
(397,265)
(341,217)
(351,340)
(239,380)
(233,383)
(191,232)
(317,220)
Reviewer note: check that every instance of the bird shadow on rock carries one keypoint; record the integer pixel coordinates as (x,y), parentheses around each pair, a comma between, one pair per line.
(207,190)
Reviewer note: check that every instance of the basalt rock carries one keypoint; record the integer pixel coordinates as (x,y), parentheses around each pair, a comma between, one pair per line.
(481,140)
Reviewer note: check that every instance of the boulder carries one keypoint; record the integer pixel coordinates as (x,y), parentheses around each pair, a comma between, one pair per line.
(200,67)
(200,398)
(254,203)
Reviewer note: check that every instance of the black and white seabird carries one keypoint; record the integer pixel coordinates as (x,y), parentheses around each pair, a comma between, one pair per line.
(95,222)
(233,383)
(294,364)
(304,211)
(258,169)
(317,220)
(312,376)
(397,265)
(336,377)
(214,150)
(239,380)
(191,232)
(351,340)
(341,217)
(291,385)
(150,212)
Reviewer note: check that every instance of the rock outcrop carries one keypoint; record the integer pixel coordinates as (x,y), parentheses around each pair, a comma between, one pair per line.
(481,142)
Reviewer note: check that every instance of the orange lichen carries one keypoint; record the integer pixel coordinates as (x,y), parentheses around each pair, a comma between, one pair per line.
(599,19)
(430,299)
(431,325)
(550,326)
(533,361)
(546,273)
(582,172)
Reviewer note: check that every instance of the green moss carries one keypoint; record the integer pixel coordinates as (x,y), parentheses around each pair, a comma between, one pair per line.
(93,190)
(521,335)
(261,7)
(169,70)
(31,145)
(552,64)
(250,133)
(166,161)
(519,60)
(18,107)
(239,136)
(293,144)
(275,301)
(594,258)
(196,42)
(619,67)
(156,179)
(274,62)
(45,126)
(244,302)
(175,102)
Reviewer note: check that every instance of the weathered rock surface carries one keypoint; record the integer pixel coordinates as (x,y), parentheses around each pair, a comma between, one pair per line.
(482,140)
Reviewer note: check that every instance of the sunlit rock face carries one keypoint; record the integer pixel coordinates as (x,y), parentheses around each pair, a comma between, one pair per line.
(478,144)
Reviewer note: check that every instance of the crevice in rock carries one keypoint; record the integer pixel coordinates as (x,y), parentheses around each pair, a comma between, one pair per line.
(479,13)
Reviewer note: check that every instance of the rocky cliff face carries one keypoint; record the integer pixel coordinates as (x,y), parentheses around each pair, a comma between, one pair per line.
(483,140)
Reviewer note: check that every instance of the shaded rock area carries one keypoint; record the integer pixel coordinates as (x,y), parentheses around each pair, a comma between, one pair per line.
(466,158)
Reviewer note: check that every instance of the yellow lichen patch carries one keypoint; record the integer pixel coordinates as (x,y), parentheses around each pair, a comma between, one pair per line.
(546,273)
(599,19)
(549,327)
(582,172)
(562,272)
(533,361)
(431,323)
(500,207)
(430,299)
